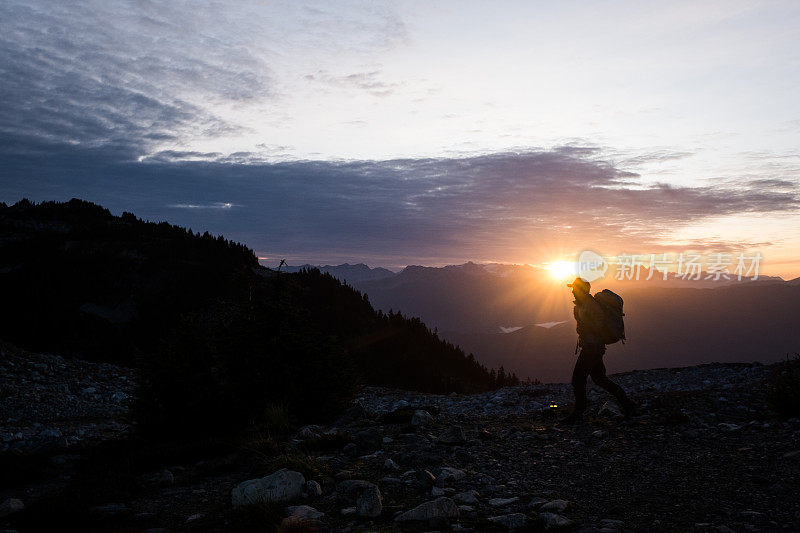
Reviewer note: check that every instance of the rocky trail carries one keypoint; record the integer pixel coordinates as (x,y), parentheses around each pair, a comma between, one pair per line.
(704,454)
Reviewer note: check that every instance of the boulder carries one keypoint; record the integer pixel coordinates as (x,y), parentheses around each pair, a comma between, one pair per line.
(502,502)
(10,506)
(433,510)
(468,497)
(536,502)
(555,506)
(304,511)
(453,435)
(313,489)
(554,521)
(366,496)
(281,486)
(369,502)
(510,521)
(447,474)
(421,418)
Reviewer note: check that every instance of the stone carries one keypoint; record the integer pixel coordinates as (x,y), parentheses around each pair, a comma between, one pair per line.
(468,497)
(436,491)
(281,486)
(510,521)
(366,496)
(554,521)
(304,511)
(439,508)
(313,489)
(453,435)
(448,474)
(369,502)
(348,511)
(391,465)
(10,506)
(555,506)
(535,503)
(728,427)
(421,418)
(502,502)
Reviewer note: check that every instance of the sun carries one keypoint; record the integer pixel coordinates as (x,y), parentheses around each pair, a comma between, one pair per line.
(561,270)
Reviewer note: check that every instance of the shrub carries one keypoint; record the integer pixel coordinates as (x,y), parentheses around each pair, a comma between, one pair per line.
(783,388)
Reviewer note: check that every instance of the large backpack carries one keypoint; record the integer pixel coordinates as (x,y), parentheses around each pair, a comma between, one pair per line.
(612,328)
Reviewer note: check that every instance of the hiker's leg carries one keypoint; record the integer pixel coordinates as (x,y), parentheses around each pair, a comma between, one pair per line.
(598,373)
(579,374)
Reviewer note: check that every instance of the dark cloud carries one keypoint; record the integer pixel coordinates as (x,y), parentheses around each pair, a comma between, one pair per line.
(114,75)
(400,211)
(143,75)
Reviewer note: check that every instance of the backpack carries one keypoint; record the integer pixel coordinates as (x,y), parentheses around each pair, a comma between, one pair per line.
(612,328)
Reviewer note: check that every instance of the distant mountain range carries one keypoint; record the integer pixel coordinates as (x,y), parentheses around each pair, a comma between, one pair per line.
(346,272)
(492,310)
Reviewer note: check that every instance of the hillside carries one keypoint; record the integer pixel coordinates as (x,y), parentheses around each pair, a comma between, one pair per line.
(209,328)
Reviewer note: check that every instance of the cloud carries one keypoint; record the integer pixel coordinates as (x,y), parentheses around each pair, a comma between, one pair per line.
(143,76)
(215,205)
(365,81)
(503,205)
(116,74)
(658,156)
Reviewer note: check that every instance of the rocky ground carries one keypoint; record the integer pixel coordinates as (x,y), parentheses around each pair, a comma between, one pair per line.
(703,455)
(47,401)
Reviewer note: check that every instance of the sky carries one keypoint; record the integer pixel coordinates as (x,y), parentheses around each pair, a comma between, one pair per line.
(416,132)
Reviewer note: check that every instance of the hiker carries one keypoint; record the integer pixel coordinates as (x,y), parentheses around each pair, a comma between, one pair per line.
(592,339)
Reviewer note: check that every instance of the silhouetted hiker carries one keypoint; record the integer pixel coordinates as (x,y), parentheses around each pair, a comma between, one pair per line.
(593,335)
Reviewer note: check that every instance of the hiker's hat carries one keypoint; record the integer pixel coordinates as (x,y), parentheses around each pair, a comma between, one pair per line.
(581,283)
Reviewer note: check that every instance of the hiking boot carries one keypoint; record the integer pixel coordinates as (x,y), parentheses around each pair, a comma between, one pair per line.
(573,418)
